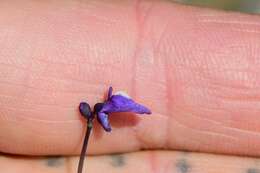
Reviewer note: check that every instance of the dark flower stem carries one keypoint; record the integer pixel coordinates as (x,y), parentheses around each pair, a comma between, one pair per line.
(85,145)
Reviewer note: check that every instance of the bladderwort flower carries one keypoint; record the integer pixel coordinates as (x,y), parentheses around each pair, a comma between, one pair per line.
(118,102)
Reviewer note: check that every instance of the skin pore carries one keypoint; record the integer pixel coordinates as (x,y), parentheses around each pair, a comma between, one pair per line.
(197,69)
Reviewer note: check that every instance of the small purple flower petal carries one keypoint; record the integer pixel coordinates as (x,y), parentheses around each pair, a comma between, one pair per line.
(98,107)
(110,90)
(103,120)
(120,103)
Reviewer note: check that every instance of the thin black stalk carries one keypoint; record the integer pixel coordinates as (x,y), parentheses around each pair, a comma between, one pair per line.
(85,145)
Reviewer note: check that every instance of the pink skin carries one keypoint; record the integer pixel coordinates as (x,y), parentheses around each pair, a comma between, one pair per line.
(197,69)
(164,162)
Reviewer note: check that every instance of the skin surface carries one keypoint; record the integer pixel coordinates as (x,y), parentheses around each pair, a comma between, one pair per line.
(197,69)
(143,162)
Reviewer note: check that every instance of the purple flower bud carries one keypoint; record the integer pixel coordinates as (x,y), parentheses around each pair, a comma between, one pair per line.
(119,102)
(85,110)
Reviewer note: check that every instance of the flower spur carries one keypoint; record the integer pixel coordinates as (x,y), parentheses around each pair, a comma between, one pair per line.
(119,102)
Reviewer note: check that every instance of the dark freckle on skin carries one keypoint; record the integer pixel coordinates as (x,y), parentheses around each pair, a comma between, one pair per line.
(182,166)
(55,161)
(185,153)
(253,170)
(117,160)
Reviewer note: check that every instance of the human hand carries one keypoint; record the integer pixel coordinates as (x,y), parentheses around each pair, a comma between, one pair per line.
(197,69)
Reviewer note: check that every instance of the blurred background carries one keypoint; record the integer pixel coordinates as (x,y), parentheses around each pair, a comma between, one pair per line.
(250,6)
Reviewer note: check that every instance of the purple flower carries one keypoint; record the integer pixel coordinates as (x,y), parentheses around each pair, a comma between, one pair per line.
(119,102)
